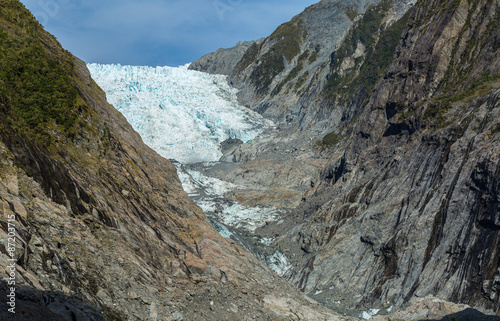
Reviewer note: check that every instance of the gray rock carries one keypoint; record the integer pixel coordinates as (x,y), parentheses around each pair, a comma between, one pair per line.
(407,205)
(408,213)
(230,145)
(222,61)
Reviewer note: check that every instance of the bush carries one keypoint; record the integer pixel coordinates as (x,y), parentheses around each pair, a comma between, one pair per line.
(37,92)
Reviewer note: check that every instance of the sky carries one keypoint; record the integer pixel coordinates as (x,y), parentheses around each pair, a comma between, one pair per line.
(158,32)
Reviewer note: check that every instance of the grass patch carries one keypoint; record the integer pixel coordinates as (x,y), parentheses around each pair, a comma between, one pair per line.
(436,110)
(313,57)
(289,36)
(435,113)
(248,58)
(272,65)
(286,41)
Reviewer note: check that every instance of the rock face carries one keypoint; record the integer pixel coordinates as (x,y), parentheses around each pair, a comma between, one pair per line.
(99,219)
(281,76)
(222,61)
(410,206)
(289,76)
(431,308)
(408,203)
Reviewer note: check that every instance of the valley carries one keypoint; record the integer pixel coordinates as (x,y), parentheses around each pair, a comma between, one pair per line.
(345,167)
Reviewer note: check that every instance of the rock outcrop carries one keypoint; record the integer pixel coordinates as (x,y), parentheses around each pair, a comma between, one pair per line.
(433,309)
(408,203)
(282,76)
(222,61)
(96,223)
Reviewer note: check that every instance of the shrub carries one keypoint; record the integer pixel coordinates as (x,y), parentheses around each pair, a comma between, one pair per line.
(37,92)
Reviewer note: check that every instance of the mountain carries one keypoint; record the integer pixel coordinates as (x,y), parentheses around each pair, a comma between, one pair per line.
(399,102)
(289,67)
(223,61)
(96,224)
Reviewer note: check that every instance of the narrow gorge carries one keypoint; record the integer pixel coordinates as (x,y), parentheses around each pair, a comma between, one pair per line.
(345,167)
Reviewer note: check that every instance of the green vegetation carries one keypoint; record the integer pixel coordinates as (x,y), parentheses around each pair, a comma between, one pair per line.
(248,58)
(293,73)
(289,36)
(495,129)
(284,44)
(462,82)
(314,56)
(436,112)
(379,54)
(301,80)
(479,87)
(330,140)
(351,12)
(461,67)
(263,75)
(437,108)
(37,95)
(287,39)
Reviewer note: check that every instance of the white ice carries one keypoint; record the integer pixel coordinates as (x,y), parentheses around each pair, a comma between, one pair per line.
(180,113)
(194,182)
(185,115)
(365,315)
(279,263)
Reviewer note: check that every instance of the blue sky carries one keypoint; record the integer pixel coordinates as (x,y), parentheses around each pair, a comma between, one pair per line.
(158,32)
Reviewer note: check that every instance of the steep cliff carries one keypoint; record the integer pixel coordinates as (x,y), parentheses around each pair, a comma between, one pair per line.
(222,61)
(313,84)
(408,203)
(99,218)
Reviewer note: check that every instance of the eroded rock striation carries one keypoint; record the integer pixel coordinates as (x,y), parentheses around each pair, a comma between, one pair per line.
(407,204)
(408,207)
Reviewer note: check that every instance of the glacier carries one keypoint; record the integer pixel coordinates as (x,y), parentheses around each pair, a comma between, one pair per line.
(182,114)
(185,115)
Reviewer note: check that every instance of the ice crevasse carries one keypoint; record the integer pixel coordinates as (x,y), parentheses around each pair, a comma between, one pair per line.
(180,113)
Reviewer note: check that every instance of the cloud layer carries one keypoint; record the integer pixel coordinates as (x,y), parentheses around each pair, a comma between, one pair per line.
(158,32)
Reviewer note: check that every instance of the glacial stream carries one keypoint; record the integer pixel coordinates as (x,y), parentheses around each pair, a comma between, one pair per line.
(185,115)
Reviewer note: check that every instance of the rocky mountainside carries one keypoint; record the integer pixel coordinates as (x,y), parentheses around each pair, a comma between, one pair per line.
(95,225)
(223,61)
(290,77)
(405,106)
(282,76)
